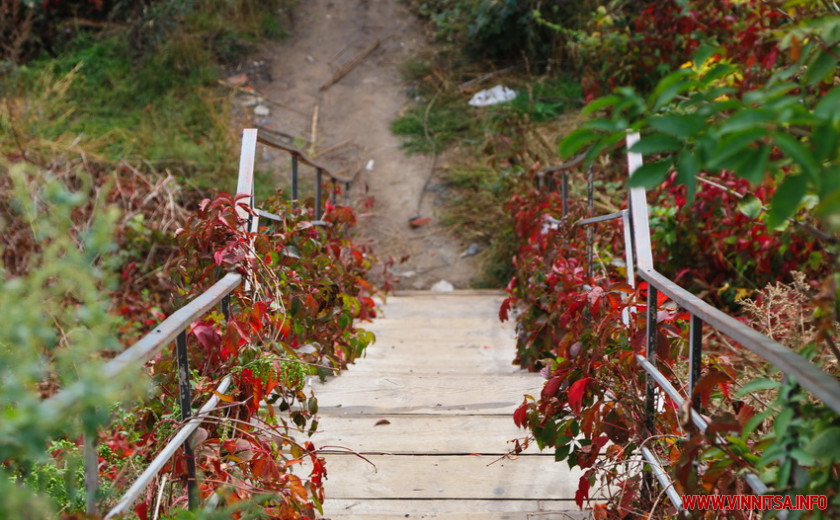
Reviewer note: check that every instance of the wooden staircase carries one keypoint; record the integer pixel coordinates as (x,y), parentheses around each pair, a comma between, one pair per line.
(430,408)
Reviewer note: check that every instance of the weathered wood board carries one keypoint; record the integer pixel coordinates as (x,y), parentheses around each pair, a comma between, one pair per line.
(441,385)
(431,434)
(470,394)
(447,477)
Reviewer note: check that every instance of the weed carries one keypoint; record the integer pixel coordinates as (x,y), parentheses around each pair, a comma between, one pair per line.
(431,127)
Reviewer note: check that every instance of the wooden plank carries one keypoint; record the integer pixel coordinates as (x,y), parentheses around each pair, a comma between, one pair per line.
(443,305)
(524,515)
(390,507)
(430,434)
(425,394)
(417,509)
(449,477)
(486,355)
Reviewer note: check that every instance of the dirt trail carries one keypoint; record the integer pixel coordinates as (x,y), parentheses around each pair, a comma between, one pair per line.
(353,120)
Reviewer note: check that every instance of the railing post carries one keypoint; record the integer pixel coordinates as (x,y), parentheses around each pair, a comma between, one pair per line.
(650,384)
(226,307)
(347,194)
(695,357)
(319,173)
(294,181)
(91,458)
(334,195)
(565,188)
(185,401)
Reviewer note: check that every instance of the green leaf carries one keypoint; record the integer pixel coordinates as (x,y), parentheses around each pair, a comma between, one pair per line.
(718,71)
(605,142)
(650,175)
(600,104)
(825,444)
(754,164)
(750,206)
(681,126)
(733,146)
(820,67)
(754,421)
(826,140)
(607,125)
(670,87)
(687,169)
(761,95)
(746,119)
(829,106)
(757,385)
(576,141)
(796,151)
(786,200)
(656,143)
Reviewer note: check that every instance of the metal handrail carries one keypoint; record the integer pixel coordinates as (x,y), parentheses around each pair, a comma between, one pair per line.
(821,385)
(168,451)
(174,327)
(639,255)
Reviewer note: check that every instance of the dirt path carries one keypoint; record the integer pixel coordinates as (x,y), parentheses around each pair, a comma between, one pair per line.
(353,125)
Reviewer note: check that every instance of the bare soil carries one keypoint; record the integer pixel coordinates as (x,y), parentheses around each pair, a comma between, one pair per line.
(351,120)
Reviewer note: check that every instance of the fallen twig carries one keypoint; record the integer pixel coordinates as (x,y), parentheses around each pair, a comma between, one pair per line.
(343,71)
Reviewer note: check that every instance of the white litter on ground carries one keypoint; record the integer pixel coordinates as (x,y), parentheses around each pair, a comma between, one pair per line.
(492,96)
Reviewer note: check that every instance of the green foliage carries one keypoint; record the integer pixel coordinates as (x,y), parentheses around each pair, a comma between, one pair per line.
(59,324)
(547,99)
(147,91)
(434,125)
(783,130)
(506,30)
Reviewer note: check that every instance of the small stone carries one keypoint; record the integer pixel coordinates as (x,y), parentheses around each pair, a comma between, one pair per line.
(472,250)
(261,111)
(443,286)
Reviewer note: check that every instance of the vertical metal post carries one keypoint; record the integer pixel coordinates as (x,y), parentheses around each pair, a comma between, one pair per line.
(652,336)
(185,400)
(334,191)
(318,180)
(226,307)
(346,193)
(294,181)
(565,189)
(695,357)
(650,384)
(91,457)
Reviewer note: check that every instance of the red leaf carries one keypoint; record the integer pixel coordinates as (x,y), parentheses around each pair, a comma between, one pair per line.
(142,511)
(551,387)
(576,392)
(582,492)
(503,310)
(706,384)
(206,336)
(520,415)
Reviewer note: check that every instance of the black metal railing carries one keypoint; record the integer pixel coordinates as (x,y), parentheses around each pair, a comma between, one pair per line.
(640,264)
(173,329)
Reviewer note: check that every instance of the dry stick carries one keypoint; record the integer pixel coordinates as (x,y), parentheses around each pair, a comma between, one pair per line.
(329,149)
(484,77)
(313,131)
(343,71)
